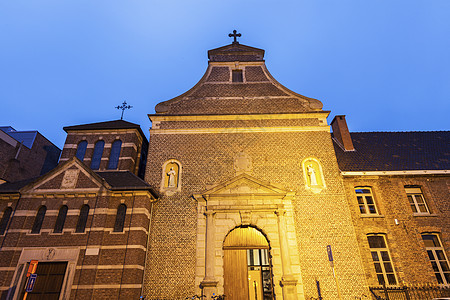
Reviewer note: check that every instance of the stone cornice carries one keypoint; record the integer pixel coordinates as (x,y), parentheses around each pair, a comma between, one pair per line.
(395,173)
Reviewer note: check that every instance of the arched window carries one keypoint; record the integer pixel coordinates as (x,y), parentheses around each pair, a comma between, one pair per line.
(81,150)
(39,219)
(59,225)
(114,156)
(120,218)
(97,156)
(5,220)
(82,219)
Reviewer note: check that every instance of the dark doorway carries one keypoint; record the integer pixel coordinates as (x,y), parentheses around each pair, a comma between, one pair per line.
(49,281)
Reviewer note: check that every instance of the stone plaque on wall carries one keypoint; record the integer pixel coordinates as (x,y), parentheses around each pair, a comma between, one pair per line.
(70,179)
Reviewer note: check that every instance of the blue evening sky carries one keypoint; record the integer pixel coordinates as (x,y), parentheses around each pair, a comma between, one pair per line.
(385,63)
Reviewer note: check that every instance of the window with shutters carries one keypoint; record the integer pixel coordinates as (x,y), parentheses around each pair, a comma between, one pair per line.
(81,150)
(382,260)
(61,219)
(114,155)
(38,220)
(237,76)
(120,218)
(366,201)
(416,200)
(97,156)
(5,220)
(82,219)
(437,257)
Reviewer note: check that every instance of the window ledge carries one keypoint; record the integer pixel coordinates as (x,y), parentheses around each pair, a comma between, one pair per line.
(117,232)
(424,215)
(372,216)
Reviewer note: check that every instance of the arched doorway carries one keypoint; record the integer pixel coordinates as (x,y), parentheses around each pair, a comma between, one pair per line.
(247,265)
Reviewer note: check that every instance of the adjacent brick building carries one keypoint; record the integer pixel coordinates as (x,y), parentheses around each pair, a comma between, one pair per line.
(86,222)
(25,154)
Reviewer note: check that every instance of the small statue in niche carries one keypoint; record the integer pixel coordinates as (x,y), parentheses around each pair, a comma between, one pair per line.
(312,174)
(172,175)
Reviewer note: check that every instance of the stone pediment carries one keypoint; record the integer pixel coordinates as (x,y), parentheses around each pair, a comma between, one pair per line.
(244,185)
(70,176)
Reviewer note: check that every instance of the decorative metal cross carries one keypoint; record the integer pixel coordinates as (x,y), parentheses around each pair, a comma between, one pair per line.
(123,107)
(235,35)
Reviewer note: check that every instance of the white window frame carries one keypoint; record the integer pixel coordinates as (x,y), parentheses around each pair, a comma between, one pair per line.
(365,204)
(438,261)
(413,193)
(381,261)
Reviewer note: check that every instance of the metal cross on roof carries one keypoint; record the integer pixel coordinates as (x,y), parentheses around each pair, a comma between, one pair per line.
(123,107)
(235,35)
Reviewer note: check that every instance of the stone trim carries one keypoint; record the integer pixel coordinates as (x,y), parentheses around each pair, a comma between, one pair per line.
(240,130)
(106,286)
(390,173)
(108,267)
(306,115)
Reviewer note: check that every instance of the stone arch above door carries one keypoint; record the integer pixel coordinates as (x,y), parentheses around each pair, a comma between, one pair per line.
(245,237)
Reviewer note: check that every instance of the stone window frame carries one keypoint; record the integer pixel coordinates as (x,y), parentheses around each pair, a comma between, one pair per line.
(97,154)
(6,218)
(365,203)
(119,223)
(381,252)
(171,190)
(413,192)
(113,161)
(39,220)
(82,219)
(237,75)
(85,143)
(439,260)
(61,219)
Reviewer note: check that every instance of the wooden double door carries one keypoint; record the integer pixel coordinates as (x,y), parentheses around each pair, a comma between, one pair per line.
(247,268)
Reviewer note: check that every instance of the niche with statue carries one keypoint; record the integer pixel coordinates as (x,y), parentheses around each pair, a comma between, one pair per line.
(313,175)
(171,177)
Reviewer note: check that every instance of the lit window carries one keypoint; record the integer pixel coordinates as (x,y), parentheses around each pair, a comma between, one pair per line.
(437,257)
(366,201)
(416,200)
(114,156)
(97,156)
(39,220)
(237,76)
(81,150)
(381,260)
(5,220)
(82,219)
(61,219)
(120,218)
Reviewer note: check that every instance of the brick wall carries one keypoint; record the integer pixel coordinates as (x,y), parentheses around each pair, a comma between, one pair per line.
(207,160)
(404,240)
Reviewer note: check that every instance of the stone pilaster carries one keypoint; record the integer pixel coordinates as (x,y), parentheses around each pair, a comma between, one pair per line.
(209,283)
(288,282)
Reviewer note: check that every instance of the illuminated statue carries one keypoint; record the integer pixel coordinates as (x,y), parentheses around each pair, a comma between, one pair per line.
(171,175)
(312,175)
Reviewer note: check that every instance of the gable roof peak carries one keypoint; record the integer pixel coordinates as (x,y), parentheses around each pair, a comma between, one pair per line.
(235,52)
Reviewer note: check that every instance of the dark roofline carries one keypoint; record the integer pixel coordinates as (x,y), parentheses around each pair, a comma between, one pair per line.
(107,125)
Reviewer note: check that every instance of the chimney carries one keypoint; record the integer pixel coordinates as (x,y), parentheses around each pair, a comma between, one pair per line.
(341,133)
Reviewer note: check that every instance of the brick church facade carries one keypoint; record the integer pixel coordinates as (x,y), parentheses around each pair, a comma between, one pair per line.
(241,191)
